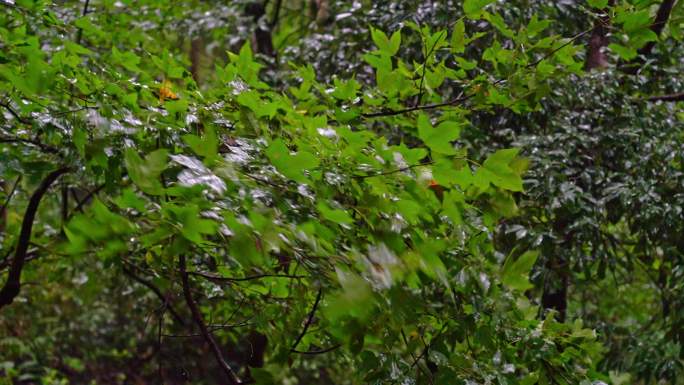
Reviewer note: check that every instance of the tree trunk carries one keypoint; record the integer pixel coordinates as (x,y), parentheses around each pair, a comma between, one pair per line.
(596,58)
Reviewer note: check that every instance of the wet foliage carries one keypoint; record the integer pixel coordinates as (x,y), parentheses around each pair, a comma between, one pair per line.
(341,192)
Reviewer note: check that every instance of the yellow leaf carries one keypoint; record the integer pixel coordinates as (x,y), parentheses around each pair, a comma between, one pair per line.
(165,92)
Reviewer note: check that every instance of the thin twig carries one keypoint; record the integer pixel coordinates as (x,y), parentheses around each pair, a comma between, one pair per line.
(9,196)
(461,99)
(422,77)
(85,12)
(315,352)
(567,43)
(82,202)
(218,278)
(14,113)
(402,169)
(389,112)
(276,14)
(156,291)
(309,320)
(206,333)
(211,327)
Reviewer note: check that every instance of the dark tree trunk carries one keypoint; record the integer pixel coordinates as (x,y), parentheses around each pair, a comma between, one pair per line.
(262,41)
(555,296)
(596,58)
(196,46)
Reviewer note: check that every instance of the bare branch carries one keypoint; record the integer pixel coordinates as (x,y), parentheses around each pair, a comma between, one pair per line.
(308,321)
(219,279)
(315,352)
(14,113)
(204,330)
(9,196)
(43,147)
(678,97)
(13,285)
(156,291)
(82,202)
(402,169)
(389,112)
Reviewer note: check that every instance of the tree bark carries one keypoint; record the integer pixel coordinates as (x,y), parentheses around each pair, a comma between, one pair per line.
(596,58)
(196,46)
(262,41)
(204,330)
(658,24)
(13,285)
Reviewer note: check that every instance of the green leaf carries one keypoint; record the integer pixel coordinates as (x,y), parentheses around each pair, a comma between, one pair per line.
(497,170)
(439,138)
(626,53)
(128,60)
(345,90)
(500,24)
(458,37)
(388,46)
(535,26)
(598,4)
(632,21)
(338,216)
(145,173)
(205,146)
(515,273)
(292,166)
(475,8)
(176,107)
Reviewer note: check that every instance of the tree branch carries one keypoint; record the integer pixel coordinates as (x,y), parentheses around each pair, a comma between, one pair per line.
(315,352)
(658,24)
(13,285)
(402,169)
(667,98)
(389,112)
(462,98)
(206,333)
(14,113)
(219,279)
(43,147)
(156,291)
(9,197)
(276,13)
(308,321)
(84,201)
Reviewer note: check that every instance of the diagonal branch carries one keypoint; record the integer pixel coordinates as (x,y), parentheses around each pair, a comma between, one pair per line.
(658,25)
(13,284)
(308,321)
(16,115)
(156,291)
(9,197)
(206,333)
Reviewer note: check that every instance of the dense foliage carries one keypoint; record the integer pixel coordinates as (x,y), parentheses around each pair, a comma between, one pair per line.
(295,192)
